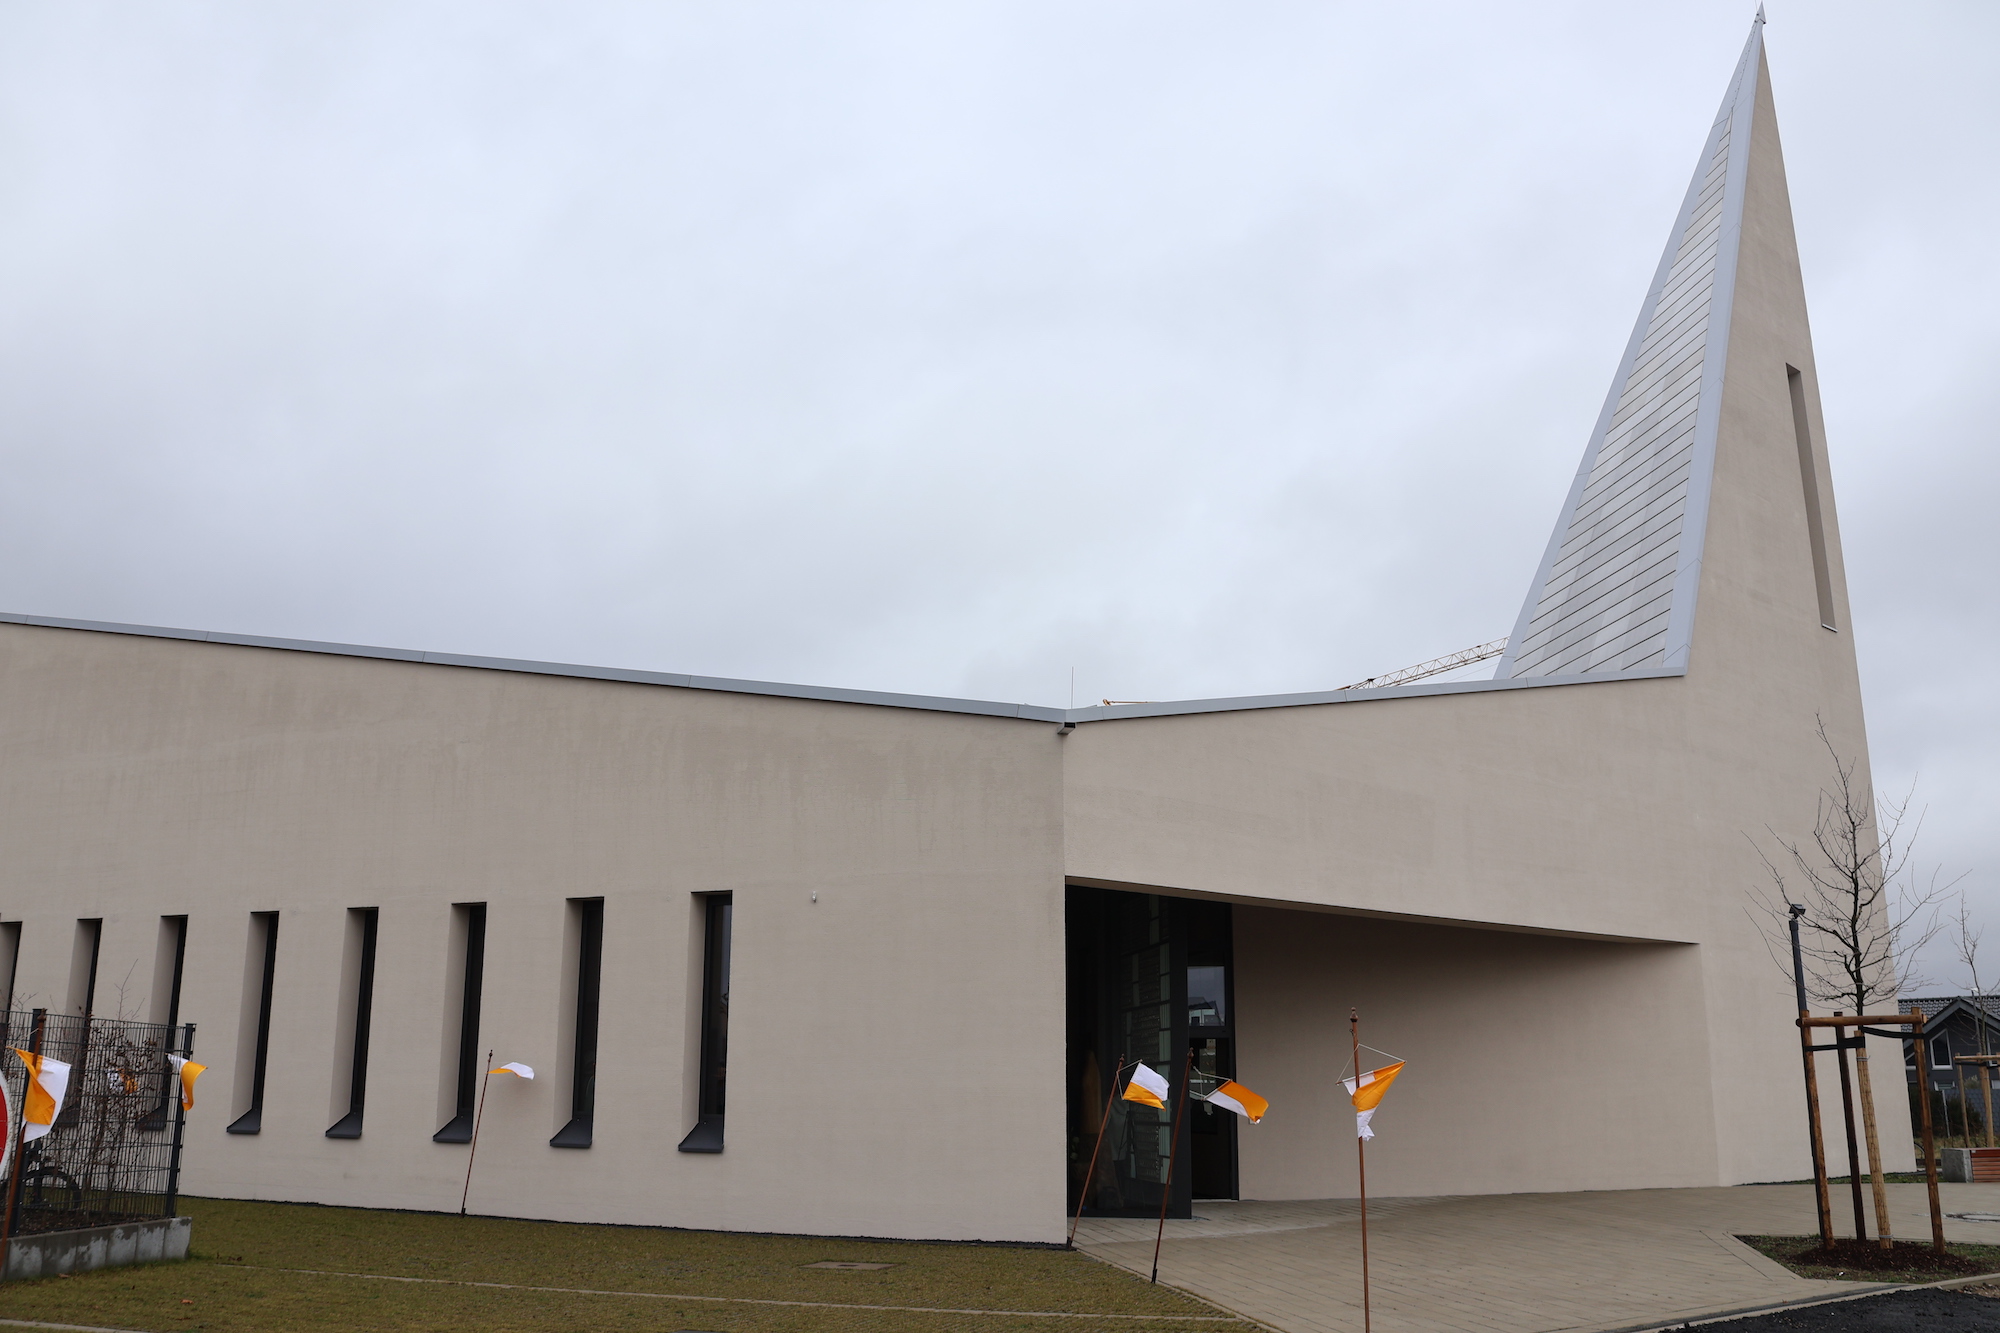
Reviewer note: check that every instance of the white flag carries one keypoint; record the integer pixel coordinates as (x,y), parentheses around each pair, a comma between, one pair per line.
(1366,1092)
(48,1081)
(1147,1087)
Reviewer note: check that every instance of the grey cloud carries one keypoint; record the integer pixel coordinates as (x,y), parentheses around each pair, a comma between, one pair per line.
(950,348)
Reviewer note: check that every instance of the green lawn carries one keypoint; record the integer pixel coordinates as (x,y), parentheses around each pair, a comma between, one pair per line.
(238,1279)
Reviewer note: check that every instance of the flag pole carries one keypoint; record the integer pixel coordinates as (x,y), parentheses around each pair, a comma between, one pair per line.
(1174,1152)
(1091,1174)
(1361,1167)
(477,1116)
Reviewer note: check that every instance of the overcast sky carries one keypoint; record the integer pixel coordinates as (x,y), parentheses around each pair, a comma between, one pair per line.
(1195,349)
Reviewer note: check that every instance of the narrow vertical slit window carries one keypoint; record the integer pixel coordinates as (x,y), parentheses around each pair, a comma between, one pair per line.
(169,963)
(357,1004)
(83,965)
(253,1043)
(10,956)
(1815,516)
(588,920)
(469,933)
(706,1136)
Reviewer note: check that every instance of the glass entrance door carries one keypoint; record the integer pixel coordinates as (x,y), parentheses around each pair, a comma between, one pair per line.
(1148,980)
(1211,1014)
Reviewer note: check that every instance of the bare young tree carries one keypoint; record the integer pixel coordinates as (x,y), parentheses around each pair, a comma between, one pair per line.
(1863,914)
(1867,917)
(1965,937)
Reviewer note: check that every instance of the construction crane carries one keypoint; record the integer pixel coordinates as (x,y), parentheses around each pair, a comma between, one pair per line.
(1437,666)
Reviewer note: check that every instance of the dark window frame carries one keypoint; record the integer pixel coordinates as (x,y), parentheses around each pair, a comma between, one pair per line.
(718,930)
(472,982)
(10,941)
(252,1120)
(157,1121)
(583,1050)
(72,1107)
(349,1125)
(180,967)
(96,925)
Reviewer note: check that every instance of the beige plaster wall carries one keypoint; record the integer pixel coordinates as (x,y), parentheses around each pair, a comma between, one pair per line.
(1764,671)
(897,1063)
(1624,809)
(1531,1060)
(893,1045)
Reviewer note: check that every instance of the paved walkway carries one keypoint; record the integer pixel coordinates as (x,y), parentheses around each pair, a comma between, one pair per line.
(1506,1263)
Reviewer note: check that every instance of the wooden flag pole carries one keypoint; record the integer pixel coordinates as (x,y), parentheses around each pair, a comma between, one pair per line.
(1361,1166)
(1102,1125)
(477,1116)
(1167,1186)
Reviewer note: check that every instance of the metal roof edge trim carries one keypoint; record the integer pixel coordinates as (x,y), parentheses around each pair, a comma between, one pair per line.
(1308,699)
(719,684)
(830,694)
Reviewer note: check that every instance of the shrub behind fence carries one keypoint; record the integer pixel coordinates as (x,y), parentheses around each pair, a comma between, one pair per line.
(114,1154)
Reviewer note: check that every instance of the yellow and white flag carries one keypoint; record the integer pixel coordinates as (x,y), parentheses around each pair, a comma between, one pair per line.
(516,1068)
(1233,1096)
(189,1071)
(1147,1087)
(48,1081)
(1366,1093)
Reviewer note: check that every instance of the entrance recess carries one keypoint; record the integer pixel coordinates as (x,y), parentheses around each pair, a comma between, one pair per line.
(1149,978)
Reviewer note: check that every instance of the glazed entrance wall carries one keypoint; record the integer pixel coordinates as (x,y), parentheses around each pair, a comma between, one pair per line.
(1149,980)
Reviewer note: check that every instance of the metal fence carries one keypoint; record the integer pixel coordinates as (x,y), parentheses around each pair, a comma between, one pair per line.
(114,1154)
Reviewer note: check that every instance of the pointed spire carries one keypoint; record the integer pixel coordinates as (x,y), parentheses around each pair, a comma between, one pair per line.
(1616,587)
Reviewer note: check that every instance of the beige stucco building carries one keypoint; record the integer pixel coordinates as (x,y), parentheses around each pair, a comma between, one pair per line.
(926,927)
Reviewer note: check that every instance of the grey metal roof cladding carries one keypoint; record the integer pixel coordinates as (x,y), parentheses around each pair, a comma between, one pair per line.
(1616,588)
(931,703)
